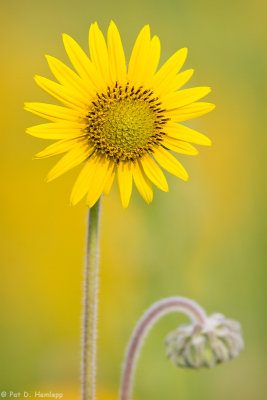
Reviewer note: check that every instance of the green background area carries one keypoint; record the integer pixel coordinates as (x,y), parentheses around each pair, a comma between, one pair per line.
(204,239)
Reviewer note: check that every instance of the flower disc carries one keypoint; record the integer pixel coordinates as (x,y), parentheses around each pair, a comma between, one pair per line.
(124,123)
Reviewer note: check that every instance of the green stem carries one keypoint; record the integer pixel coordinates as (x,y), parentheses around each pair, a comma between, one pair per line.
(90,305)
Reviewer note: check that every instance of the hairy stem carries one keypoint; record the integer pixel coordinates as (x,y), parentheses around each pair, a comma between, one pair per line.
(89,334)
(147,321)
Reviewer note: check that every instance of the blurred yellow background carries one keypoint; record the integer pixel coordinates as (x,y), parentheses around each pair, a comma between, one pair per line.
(203,240)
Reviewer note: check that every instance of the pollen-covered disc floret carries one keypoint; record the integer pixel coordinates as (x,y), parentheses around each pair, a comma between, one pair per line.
(117,120)
(196,346)
(125,122)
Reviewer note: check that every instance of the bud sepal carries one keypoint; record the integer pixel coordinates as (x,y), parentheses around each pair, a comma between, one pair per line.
(195,345)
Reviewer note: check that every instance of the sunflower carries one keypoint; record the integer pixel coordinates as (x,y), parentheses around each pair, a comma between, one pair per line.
(119,120)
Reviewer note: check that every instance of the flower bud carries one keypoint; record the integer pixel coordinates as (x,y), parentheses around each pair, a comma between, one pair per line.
(194,346)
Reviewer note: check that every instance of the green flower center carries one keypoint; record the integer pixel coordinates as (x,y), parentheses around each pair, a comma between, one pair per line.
(128,124)
(125,123)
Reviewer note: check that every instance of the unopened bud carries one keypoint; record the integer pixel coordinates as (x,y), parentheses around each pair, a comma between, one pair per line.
(195,346)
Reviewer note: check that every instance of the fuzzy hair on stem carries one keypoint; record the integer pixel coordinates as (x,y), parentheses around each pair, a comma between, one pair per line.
(90,308)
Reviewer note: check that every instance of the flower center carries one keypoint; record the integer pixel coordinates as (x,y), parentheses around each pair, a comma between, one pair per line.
(124,123)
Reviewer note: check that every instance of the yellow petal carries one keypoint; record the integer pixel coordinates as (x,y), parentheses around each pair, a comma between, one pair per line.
(116,55)
(193,110)
(53,112)
(153,60)
(181,79)
(177,82)
(68,78)
(57,148)
(168,162)
(125,182)
(154,173)
(102,172)
(169,70)
(142,183)
(99,52)
(83,181)
(179,146)
(59,92)
(139,56)
(184,97)
(182,132)
(70,160)
(109,182)
(56,130)
(82,64)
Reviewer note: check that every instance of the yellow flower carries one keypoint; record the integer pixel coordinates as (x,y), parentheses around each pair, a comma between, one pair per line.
(117,119)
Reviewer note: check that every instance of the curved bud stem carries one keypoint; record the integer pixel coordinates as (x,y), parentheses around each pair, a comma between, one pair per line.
(147,321)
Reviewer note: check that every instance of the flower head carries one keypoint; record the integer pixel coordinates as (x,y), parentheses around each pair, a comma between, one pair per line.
(118,120)
(216,341)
